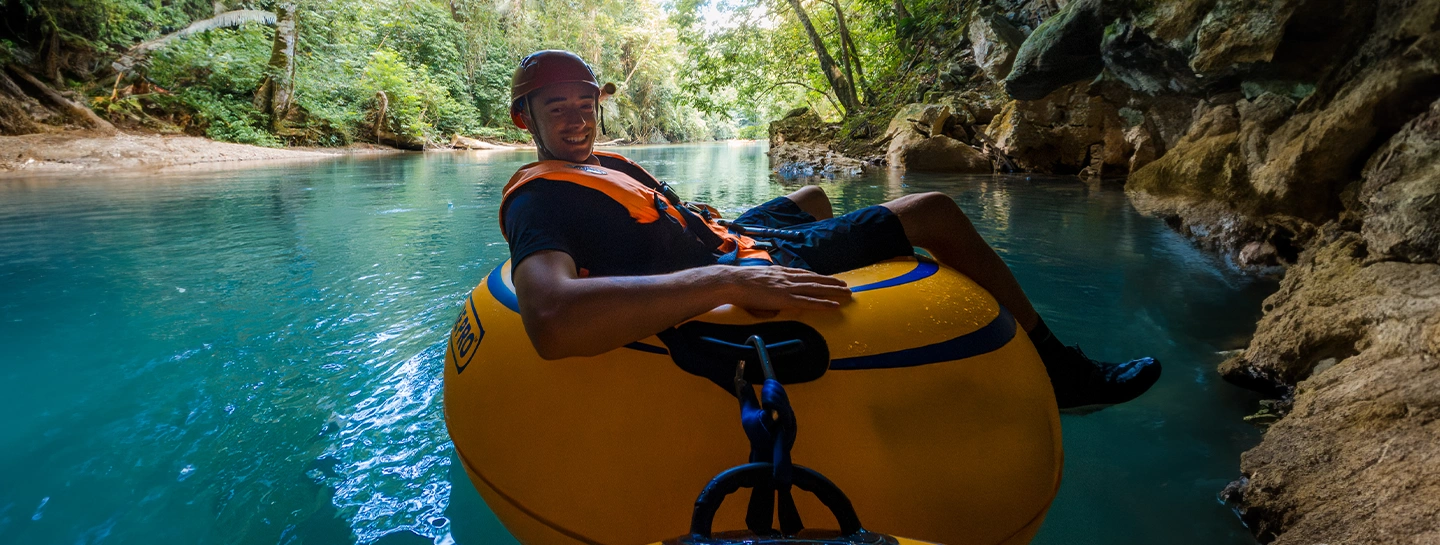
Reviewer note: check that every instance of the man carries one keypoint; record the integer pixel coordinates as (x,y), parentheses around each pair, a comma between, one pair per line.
(604,255)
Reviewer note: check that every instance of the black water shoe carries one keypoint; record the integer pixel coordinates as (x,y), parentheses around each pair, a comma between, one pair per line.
(1083,385)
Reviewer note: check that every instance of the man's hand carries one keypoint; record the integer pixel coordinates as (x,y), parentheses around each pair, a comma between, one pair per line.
(783,288)
(566,315)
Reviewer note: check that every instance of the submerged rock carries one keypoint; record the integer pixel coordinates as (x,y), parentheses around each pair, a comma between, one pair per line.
(806,159)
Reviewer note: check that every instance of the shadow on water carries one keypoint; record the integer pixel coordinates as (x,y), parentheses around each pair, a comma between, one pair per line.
(254,356)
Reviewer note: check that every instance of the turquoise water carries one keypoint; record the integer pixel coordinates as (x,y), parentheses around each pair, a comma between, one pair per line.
(254,355)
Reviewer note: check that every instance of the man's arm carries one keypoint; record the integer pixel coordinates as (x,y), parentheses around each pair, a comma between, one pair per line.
(566,315)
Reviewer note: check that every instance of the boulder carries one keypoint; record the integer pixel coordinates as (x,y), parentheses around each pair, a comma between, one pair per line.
(1314,154)
(1258,118)
(801,125)
(1355,459)
(994,41)
(911,150)
(1240,31)
(1055,134)
(1200,188)
(1173,22)
(901,120)
(1063,50)
(1133,57)
(1199,170)
(1401,193)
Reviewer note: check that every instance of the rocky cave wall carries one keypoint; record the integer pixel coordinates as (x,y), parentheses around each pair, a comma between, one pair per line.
(1293,136)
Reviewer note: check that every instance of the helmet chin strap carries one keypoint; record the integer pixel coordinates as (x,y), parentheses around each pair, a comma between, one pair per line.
(540,142)
(540,148)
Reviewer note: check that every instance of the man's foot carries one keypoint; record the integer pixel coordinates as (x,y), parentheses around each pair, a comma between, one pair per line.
(1083,385)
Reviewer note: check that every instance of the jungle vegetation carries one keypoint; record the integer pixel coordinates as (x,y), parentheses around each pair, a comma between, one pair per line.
(414,73)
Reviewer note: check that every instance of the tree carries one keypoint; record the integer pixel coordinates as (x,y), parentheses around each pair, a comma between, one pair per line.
(276,94)
(839,82)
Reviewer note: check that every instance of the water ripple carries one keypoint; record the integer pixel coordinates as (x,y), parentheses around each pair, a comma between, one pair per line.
(392,474)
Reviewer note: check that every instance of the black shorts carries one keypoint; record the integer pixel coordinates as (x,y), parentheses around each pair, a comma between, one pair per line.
(863,237)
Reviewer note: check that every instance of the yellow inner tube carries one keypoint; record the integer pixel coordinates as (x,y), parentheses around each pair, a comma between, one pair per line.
(932,412)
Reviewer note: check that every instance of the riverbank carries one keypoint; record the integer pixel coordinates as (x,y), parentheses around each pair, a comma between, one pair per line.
(88,152)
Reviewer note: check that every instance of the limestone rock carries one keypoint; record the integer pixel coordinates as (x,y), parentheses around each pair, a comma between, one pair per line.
(1401,192)
(1214,120)
(1240,31)
(1055,134)
(1063,50)
(1173,22)
(801,125)
(1355,461)
(1259,118)
(902,118)
(1147,149)
(1313,154)
(1207,169)
(911,150)
(1146,66)
(994,41)
(464,142)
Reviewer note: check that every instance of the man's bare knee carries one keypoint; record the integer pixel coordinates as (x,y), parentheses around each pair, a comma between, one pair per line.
(813,200)
(926,216)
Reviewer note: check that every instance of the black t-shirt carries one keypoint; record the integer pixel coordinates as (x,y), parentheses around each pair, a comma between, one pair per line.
(597,232)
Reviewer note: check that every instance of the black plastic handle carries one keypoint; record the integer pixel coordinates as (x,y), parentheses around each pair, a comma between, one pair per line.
(762,232)
(762,474)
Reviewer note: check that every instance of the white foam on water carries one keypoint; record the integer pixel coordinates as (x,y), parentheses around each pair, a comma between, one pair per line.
(392,454)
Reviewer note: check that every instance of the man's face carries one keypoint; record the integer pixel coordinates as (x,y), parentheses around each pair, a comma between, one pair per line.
(564,120)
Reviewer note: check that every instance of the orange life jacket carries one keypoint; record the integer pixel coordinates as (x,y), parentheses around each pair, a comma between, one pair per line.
(644,203)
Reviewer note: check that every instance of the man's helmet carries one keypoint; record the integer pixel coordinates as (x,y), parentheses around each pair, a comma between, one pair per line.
(546,68)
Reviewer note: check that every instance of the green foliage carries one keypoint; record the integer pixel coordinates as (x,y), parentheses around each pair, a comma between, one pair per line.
(687,69)
(754,60)
(229,119)
(106,24)
(418,106)
(215,75)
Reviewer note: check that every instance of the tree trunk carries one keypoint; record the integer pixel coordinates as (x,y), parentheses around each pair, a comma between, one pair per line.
(51,64)
(900,12)
(77,111)
(904,23)
(853,59)
(276,93)
(13,117)
(844,90)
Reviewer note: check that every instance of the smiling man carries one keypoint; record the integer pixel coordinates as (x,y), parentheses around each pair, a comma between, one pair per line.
(604,254)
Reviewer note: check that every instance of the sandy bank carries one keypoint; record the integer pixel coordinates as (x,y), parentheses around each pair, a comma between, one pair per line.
(84,152)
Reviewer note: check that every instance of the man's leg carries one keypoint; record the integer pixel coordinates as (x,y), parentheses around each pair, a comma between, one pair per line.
(933,221)
(813,201)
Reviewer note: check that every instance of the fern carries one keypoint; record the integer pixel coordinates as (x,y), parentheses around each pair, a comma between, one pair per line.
(229,19)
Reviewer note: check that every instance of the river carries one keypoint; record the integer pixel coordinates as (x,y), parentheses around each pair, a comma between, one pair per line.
(255,355)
